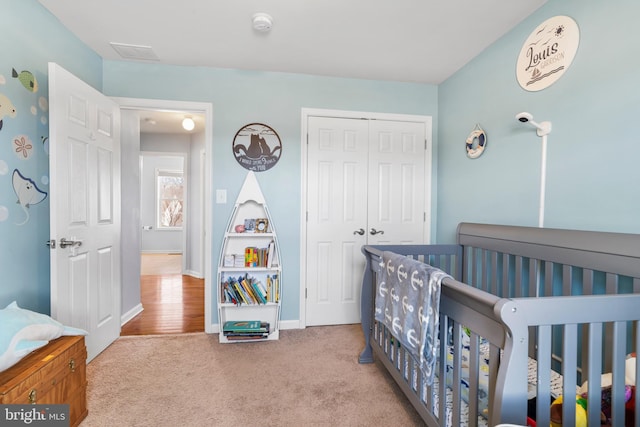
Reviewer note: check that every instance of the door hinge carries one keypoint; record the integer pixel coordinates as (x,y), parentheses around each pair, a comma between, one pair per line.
(306,293)
(425,144)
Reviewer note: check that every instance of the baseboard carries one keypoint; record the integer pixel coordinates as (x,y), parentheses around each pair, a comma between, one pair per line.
(284,324)
(290,324)
(131,314)
(195,274)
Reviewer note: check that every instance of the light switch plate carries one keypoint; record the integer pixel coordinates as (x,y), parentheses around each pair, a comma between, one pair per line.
(221,196)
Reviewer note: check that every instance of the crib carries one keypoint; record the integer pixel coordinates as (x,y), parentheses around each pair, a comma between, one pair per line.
(529,314)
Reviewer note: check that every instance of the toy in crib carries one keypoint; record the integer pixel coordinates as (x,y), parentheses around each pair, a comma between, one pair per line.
(605,414)
(581,412)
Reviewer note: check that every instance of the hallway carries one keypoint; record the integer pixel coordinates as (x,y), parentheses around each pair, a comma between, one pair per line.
(173,303)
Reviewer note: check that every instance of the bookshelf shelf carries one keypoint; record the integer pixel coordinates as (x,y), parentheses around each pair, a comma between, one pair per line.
(249,271)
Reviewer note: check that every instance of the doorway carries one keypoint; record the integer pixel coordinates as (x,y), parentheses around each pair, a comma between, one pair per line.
(367,181)
(195,281)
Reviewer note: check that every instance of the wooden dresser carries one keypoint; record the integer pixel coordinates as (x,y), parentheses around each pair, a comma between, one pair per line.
(55,373)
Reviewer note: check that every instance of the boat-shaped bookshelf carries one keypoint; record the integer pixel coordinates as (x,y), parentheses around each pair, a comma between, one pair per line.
(249,271)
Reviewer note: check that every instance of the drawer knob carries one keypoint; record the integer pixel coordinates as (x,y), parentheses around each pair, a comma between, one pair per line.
(72,365)
(32,396)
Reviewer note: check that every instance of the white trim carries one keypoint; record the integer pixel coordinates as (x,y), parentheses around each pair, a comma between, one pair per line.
(308,112)
(126,317)
(205,108)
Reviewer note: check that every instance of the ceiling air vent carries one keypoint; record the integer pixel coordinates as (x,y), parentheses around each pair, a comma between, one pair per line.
(131,51)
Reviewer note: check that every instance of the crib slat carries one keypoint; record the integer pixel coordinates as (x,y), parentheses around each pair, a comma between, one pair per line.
(587,281)
(594,344)
(566,280)
(534,272)
(637,351)
(543,379)
(474,369)
(442,393)
(457,375)
(618,373)
(569,364)
(492,275)
(518,276)
(612,283)
(494,361)
(548,278)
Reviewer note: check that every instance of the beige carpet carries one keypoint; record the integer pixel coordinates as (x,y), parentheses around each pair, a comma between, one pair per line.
(309,377)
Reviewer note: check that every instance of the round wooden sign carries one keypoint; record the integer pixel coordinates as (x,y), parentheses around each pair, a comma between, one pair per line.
(257,147)
(547,53)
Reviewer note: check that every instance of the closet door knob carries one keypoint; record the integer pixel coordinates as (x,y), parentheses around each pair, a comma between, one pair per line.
(360,232)
(373,232)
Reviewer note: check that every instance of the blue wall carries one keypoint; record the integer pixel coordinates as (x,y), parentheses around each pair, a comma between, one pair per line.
(276,99)
(592,165)
(31,38)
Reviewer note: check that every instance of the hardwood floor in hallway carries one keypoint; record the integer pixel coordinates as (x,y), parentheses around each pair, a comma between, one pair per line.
(173,303)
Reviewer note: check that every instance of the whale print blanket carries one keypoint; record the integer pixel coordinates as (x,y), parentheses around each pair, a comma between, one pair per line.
(407,302)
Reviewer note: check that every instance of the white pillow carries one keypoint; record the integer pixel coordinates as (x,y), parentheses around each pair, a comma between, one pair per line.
(24,331)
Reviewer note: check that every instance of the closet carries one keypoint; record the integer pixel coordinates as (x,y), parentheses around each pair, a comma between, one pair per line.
(367,182)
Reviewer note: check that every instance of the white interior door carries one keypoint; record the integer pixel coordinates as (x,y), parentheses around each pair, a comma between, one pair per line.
(396,185)
(85,208)
(337,218)
(365,185)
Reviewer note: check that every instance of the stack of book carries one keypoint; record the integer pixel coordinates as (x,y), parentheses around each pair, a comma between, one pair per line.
(245,330)
(260,257)
(249,290)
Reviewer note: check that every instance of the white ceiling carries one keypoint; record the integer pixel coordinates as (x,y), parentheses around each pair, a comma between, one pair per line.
(423,41)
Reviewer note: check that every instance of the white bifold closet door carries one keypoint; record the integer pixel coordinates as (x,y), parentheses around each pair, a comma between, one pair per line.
(366,185)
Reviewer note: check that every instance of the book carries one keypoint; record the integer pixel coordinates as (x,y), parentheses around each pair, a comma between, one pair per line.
(246,285)
(246,337)
(229,261)
(243,326)
(271,252)
(258,293)
(245,329)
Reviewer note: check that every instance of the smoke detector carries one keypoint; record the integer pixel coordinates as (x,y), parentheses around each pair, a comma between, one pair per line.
(262,22)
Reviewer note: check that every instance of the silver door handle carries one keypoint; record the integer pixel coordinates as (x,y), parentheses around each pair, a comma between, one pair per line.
(66,243)
(360,232)
(373,232)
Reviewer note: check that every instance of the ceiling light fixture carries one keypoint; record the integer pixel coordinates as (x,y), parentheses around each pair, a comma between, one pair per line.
(262,22)
(188,123)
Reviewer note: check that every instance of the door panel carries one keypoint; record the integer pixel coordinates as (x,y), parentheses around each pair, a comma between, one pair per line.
(336,208)
(396,182)
(85,208)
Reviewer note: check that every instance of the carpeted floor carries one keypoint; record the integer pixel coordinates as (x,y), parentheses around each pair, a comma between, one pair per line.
(309,377)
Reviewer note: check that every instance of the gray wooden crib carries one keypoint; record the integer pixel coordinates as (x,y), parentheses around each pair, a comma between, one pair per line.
(528,312)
